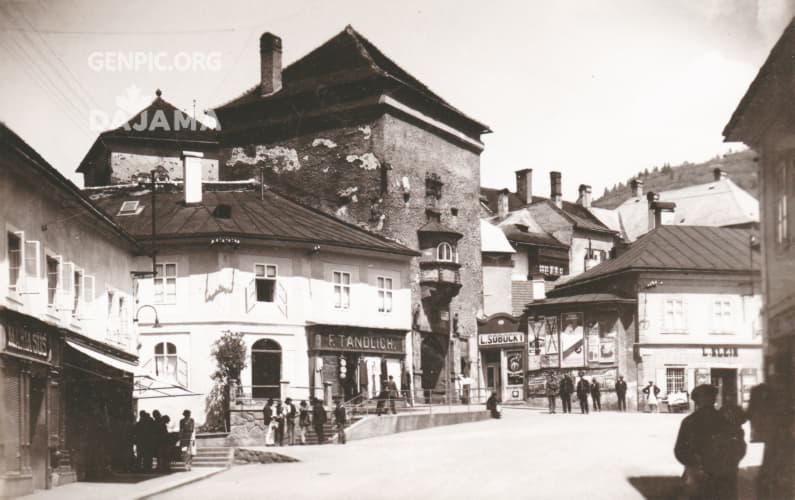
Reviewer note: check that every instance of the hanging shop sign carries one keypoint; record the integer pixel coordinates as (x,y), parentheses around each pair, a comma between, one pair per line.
(359,342)
(497,339)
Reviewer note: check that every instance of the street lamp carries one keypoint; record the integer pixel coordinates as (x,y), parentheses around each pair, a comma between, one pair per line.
(157,321)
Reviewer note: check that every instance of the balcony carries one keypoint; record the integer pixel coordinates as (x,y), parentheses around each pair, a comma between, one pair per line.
(440,281)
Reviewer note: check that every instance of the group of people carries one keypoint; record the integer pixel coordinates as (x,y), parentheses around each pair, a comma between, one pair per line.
(280,420)
(565,387)
(153,441)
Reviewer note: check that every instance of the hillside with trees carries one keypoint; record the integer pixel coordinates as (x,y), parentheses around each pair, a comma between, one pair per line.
(741,167)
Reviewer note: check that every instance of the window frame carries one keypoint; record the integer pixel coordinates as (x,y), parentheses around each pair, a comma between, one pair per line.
(14,286)
(166,356)
(265,277)
(383,292)
(164,298)
(452,250)
(342,290)
(77,291)
(675,326)
(781,208)
(53,292)
(722,316)
(675,376)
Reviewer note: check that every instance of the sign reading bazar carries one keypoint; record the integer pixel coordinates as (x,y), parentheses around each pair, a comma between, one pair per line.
(493,339)
(359,342)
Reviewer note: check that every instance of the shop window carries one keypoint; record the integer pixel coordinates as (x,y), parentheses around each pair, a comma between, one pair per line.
(674,315)
(266,369)
(14,251)
(165,283)
(265,276)
(722,316)
(445,252)
(53,275)
(384,294)
(675,380)
(166,361)
(342,289)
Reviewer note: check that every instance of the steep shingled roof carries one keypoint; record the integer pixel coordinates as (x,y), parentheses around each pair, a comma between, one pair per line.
(690,248)
(274,218)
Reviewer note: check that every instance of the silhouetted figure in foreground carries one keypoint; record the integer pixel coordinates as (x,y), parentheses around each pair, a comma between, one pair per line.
(492,405)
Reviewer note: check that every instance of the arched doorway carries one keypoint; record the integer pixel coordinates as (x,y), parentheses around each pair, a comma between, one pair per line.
(266,369)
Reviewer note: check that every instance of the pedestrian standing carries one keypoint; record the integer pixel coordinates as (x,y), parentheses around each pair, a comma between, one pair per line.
(710,447)
(278,419)
(267,417)
(303,421)
(318,420)
(340,418)
(187,438)
(651,391)
(621,393)
(566,390)
(290,415)
(552,390)
(143,442)
(596,395)
(493,405)
(164,445)
(392,394)
(583,389)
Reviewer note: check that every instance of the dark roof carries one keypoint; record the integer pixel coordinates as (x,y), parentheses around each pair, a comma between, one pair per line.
(591,298)
(580,216)
(532,238)
(272,218)
(35,160)
(438,227)
(346,58)
(672,248)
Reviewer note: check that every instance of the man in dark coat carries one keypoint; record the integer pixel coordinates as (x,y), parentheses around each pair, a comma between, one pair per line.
(318,420)
(492,405)
(552,389)
(583,389)
(566,389)
(621,393)
(143,442)
(392,393)
(340,418)
(710,447)
(596,395)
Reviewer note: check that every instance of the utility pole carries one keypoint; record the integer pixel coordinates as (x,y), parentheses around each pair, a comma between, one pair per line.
(153,174)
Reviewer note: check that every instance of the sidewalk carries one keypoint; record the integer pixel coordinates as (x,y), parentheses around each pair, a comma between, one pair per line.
(126,488)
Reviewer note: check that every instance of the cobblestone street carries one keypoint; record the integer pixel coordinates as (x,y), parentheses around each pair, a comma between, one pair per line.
(527,454)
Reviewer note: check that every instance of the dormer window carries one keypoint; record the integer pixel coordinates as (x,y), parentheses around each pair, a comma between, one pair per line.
(130,208)
(445,252)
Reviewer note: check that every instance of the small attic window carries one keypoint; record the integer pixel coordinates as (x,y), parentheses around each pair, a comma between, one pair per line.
(223,211)
(522,227)
(130,208)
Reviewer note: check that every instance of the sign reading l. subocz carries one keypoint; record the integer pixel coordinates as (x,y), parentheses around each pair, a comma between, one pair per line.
(494,339)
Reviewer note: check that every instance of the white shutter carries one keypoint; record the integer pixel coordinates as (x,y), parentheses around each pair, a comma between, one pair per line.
(87,306)
(251,295)
(32,264)
(66,292)
(21,281)
(281,298)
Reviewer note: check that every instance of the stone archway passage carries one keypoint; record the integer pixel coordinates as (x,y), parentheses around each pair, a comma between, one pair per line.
(266,369)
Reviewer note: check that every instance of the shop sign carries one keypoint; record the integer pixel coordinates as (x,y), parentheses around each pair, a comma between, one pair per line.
(27,341)
(359,343)
(719,352)
(490,339)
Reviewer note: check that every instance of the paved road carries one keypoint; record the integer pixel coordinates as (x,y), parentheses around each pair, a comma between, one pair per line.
(526,454)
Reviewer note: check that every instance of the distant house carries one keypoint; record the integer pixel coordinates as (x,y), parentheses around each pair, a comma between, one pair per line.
(679,307)
(720,203)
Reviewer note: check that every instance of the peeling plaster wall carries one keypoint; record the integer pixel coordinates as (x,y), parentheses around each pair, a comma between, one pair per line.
(125,166)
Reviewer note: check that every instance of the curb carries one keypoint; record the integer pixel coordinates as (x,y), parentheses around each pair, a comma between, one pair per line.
(175,485)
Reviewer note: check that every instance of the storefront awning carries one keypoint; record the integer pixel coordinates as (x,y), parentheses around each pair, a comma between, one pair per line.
(116,363)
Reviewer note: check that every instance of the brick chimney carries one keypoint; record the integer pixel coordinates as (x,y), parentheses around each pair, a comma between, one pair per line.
(502,203)
(637,188)
(719,174)
(192,171)
(556,188)
(524,185)
(270,54)
(660,212)
(585,196)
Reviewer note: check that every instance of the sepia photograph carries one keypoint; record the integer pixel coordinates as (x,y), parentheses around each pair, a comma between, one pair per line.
(427,249)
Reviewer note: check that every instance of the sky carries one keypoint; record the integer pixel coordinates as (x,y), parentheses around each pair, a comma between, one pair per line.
(595,89)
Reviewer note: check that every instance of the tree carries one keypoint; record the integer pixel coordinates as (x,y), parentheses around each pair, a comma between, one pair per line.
(229,352)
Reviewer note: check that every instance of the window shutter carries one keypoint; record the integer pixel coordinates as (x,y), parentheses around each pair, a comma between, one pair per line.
(32,263)
(87,306)
(251,295)
(66,292)
(21,280)
(281,298)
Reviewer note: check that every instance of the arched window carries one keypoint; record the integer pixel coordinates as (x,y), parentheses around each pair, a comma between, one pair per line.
(166,360)
(266,369)
(445,252)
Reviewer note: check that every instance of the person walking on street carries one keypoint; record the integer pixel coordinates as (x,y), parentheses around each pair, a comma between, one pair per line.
(267,418)
(651,391)
(596,395)
(279,417)
(552,389)
(290,415)
(583,389)
(340,418)
(303,421)
(710,447)
(566,390)
(392,394)
(187,438)
(621,393)
(318,420)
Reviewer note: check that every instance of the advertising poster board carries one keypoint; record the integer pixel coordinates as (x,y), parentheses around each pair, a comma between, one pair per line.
(572,340)
(535,343)
(593,342)
(515,371)
(550,352)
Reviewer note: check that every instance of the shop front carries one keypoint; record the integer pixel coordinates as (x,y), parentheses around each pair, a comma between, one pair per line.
(32,429)
(347,362)
(503,363)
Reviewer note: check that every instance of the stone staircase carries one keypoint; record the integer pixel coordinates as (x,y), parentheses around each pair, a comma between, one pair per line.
(209,456)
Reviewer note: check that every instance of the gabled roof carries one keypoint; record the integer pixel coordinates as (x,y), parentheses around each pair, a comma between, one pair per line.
(493,240)
(346,58)
(273,218)
(681,248)
(717,203)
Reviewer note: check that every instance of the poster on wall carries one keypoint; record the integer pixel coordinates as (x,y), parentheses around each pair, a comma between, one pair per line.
(572,340)
(535,344)
(550,357)
(593,342)
(515,372)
